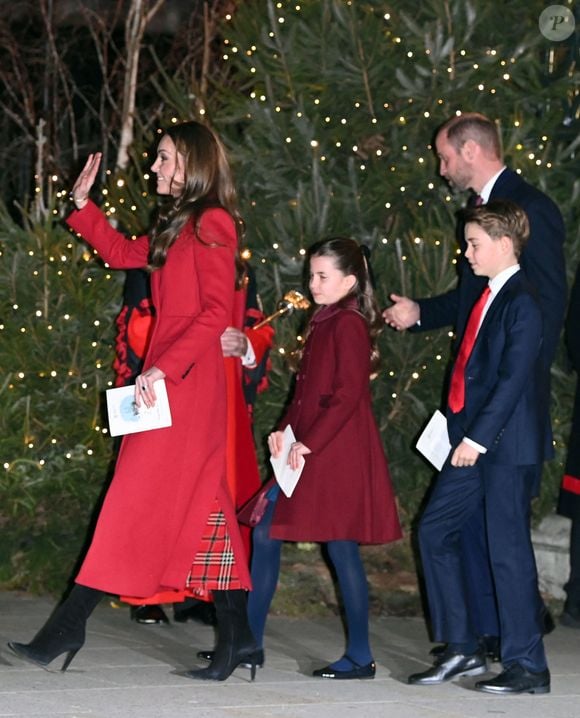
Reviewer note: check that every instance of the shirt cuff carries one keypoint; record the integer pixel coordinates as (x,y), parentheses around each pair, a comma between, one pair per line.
(475,445)
(249,358)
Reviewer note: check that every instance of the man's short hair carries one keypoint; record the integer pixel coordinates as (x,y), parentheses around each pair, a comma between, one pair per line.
(472,126)
(501,218)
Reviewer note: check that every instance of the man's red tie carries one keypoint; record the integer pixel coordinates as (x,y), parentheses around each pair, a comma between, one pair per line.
(457,387)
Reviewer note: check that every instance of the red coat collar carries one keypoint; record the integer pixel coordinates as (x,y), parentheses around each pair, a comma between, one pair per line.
(329,310)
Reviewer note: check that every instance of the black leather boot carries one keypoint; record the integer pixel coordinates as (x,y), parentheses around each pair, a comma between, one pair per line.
(64,632)
(236,644)
(257,655)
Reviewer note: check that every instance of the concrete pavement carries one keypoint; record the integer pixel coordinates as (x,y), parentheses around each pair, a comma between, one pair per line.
(127,670)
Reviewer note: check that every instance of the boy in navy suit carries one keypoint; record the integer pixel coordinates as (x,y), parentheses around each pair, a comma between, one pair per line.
(499,434)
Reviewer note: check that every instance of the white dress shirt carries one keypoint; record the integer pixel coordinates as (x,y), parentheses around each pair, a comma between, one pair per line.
(495,285)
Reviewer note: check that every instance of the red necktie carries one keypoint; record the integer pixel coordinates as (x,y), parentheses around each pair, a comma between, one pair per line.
(457,387)
(476,200)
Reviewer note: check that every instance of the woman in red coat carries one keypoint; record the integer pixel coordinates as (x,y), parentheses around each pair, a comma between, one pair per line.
(344,496)
(170,483)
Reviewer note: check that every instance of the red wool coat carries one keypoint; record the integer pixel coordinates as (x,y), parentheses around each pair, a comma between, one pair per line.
(345,490)
(166,480)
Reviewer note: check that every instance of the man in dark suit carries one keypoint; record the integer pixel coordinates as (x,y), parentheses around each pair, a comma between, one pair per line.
(499,433)
(469,151)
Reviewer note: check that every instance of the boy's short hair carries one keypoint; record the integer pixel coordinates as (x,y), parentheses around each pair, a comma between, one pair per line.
(501,218)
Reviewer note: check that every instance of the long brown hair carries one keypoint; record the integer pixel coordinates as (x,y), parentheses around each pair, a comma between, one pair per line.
(208,182)
(350,257)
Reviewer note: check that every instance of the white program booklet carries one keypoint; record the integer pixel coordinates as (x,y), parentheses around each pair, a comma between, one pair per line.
(126,418)
(286,477)
(434,440)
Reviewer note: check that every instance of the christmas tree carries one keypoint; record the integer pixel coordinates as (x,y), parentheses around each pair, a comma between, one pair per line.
(332,124)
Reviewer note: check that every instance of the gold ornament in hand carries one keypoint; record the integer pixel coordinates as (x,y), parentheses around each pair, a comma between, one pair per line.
(291,301)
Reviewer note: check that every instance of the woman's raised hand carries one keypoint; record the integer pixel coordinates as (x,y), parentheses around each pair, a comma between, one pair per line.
(86,179)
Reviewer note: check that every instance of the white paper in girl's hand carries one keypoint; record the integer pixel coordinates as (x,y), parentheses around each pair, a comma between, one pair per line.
(286,476)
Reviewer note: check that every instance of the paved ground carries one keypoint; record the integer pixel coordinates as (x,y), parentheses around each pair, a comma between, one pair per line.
(128,670)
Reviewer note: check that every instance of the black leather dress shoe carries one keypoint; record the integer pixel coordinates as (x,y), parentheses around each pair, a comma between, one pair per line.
(357,671)
(257,658)
(149,614)
(446,668)
(516,679)
(489,644)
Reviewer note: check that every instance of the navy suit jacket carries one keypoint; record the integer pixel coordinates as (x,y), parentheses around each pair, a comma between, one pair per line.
(504,407)
(542,261)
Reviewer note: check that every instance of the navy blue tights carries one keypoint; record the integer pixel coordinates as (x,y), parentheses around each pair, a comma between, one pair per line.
(345,557)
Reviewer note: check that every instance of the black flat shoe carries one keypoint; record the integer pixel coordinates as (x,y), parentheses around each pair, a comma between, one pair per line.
(357,671)
(257,657)
(446,668)
(149,615)
(516,679)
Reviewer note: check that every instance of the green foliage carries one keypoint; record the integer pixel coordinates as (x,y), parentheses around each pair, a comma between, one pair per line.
(56,328)
(331,124)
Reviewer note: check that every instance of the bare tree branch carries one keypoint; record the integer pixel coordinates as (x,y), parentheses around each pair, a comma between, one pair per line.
(138,18)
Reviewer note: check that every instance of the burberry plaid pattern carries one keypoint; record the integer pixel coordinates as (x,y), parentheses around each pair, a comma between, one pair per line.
(214,567)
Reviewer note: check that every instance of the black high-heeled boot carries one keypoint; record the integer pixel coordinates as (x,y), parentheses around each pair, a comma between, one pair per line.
(64,632)
(236,644)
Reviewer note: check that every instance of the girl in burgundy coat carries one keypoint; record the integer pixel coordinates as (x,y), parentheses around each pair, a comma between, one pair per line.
(344,497)
(168,525)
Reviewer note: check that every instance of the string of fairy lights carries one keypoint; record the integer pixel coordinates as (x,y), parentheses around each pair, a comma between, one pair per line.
(338,136)
(256,56)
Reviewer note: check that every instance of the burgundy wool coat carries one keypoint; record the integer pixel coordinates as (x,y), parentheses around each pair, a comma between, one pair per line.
(345,491)
(166,480)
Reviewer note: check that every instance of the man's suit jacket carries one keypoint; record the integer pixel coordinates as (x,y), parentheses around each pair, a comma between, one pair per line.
(504,410)
(542,260)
